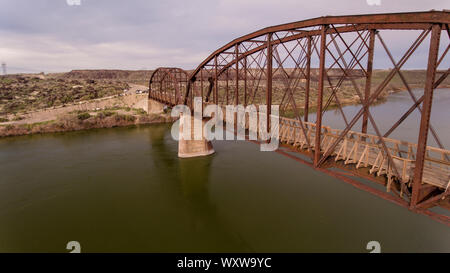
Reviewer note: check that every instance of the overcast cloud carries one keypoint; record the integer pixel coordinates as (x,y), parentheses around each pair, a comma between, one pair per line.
(50,35)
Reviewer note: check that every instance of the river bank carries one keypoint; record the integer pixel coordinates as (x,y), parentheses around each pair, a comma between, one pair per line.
(78,121)
(121,110)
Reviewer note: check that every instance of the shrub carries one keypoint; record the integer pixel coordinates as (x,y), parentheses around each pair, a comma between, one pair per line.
(119,117)
(130,118)
(140,111)
(4,120)
(104,114)
(83,116)
(108,113)
(27,127)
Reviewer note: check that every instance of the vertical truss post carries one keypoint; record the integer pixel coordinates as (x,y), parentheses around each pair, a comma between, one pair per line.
(269,79)
(245,81)
(368,80)
(191,104)
(236,91)
(175,98)
(166,87)
(201,84)
(161,93)
(172,94)
(318,133)
(166,91)
(226,87)
(164,97)
(426,112)
(180,91)
(216,83)
(160,90)
(308,79)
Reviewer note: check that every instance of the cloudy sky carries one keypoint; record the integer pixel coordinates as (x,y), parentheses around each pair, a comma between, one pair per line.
(52,36)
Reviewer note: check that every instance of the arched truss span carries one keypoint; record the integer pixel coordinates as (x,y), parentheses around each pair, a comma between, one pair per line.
(295,50)
(168,85)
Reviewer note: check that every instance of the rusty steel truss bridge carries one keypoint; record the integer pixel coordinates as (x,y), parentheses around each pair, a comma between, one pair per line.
(311,66)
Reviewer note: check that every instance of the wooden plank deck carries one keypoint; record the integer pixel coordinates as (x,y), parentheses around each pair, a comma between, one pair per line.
(363,150)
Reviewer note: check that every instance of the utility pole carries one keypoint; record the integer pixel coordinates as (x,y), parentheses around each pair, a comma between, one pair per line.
(4,68)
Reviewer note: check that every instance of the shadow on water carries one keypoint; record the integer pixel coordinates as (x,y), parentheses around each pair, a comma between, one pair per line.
(190,178)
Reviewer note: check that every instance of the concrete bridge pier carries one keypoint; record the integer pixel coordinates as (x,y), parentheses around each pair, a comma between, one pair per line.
(193,147)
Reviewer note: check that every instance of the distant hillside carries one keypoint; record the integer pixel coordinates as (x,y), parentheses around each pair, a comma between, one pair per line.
(415,78)
(131,76)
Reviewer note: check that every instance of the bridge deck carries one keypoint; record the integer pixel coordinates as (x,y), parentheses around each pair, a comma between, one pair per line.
(363,150)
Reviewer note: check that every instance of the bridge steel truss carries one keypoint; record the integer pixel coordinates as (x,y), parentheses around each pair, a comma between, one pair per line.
(168,85)
(311,66)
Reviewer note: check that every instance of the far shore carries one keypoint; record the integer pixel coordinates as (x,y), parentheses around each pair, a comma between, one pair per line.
(108,117)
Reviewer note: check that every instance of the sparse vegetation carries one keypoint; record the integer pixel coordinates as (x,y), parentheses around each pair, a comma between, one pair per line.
(20,93)
(83,116)
(120,117)
(105,113)
(17,118)
(139,111)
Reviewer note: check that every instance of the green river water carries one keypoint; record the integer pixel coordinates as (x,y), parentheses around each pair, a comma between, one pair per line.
(125,190)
